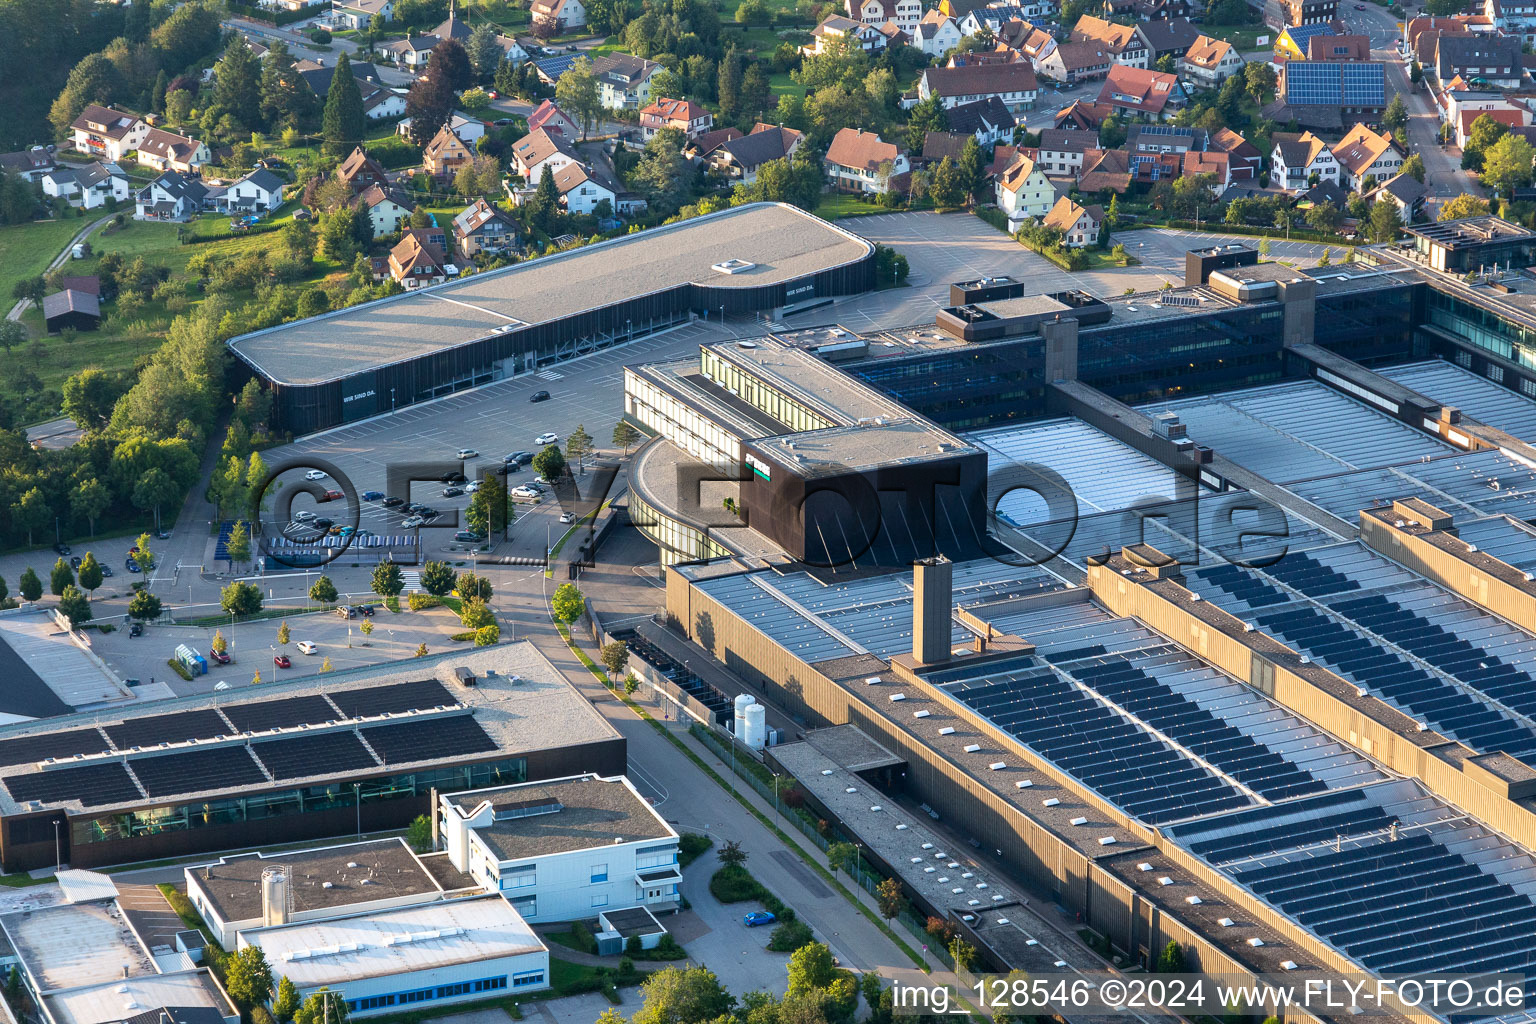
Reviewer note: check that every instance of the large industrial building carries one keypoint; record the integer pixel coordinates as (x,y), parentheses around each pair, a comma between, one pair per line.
(1247,661)
(364,750)
(363,360)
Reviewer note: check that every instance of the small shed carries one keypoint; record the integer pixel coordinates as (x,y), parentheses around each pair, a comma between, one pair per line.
(71,308)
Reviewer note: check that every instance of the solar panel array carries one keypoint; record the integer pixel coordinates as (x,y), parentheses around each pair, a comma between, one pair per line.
(232,765)
(1397,880)
(1443,661)
(1335,83)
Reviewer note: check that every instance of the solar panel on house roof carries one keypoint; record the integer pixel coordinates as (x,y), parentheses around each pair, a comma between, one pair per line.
(258,716)
(393,698)
(94,785)
(320,754)
(52,744)
(424,739)
(175,728)
(215,768)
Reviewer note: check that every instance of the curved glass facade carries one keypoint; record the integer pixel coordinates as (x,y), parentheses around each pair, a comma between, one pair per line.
(678,541)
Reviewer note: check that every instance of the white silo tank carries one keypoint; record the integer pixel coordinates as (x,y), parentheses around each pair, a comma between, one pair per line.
(739,723)
(274,897)
(756,734)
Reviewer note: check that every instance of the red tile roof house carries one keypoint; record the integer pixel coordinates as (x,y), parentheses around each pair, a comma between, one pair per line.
(1138,92)
(107,133)
(742,157)
(1243,158)
(1014,84)
(686,116)
(550,117)
(1079,225)
(167,151)
(1508,118)
(415,262)
(859,161)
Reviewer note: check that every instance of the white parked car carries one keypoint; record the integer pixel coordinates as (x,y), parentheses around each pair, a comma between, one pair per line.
(467,453)
(567,517)
(524,492)
(304,515)
(412,522)
(306,647)
(549,438)
(315,474)
(472,487)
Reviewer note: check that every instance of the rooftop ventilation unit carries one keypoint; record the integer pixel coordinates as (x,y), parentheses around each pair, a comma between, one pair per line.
(921,714)
(1023,784)
(1050,801)
(1226,922)
(1107,841)
(732,267)
(1079,821)
(948,730)
(971,748)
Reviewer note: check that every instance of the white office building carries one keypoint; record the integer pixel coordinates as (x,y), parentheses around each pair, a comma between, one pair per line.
(564,850)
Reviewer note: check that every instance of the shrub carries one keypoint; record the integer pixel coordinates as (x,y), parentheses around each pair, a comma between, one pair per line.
(418,602)
(790,936)
(181,669)
(691,846)
(582,937)
(632,946)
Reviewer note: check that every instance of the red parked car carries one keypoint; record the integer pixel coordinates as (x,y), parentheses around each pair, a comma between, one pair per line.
(222,657)
(281,661)
(330,496)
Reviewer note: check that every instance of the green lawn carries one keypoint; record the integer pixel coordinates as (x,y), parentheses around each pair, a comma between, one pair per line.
(1244,37)
(27,249)
(758,41)
(781,84)
(838,205)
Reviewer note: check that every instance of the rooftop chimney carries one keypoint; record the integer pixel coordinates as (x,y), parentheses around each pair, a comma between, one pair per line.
(933,595)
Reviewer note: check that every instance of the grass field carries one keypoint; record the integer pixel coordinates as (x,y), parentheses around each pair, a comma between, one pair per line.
(27,249)
(1241,36)
(781,84)
(838,205)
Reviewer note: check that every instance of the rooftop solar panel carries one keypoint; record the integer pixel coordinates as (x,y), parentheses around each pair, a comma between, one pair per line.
(394,698)
(95,785)
(177,728)
(320,754)
(258,716)
(215,768)
(424,739)
(52,744)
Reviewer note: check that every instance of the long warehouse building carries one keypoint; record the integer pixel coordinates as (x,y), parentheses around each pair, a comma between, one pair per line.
(353,363)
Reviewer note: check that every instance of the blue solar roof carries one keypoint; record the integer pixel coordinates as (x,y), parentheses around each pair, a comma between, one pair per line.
(1300,34)
(554,67)
(1335,83)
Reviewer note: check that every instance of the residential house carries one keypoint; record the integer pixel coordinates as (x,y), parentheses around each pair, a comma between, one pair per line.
(28,164)
(1243,158)
(1300,12)
(891,34)
(937,146)
(861,161)
(1212,162)
(1002,158)
(994,17)
(1022,191)
(445,154)
(260,191)
(1149,11)
(1456,99)
(1294,158)
(1014,84)
(1404,192)
(741,157)
(481,227)
(379,101)
(172,196)
(1137,92)
(1032,43)
(1164,38)
(1123,42)
(837,28)
(1070,63)
(1323,192)
(1105,170)
(1332,46)
(415,262)
(167,151)
(468,128)
(107,134)
(87,187)
(1323,94)
(453,27)
(414,51)
(1079,225)
(989,120)
(71,310)
(1483,60)
(1061,151)
(936,34)
(905,13)
(1082,115)
(360,170)
(1209,63)
(1366,158)
(1294,42)
(624,81)
(560,16)
(582,189)
(690,118)
(1508,118)
(1513,18)
(388,209)
(549,116)
(707,145)
(535,151)
(356,14)
(1157,150)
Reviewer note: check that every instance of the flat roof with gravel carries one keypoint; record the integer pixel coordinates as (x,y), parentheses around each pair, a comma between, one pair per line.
(580,813)
(782,242)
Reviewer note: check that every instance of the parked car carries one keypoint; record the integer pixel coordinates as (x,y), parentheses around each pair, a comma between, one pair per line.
(315,474)
(306,647)
(346,611)
(519,457)
(345,531)
(454,477)
(468,537)
(758,917)
(467,453)
(131,565)
(393,502)
(549,437)
(74,563)
(539,396)
(452,492)
(303,515)
(330,496)
(525,492)
(106,570)
(323,524)
(373,495)
(62,549)
(137,629)
(281,661)
(472,487)
(336,531)
(413,522)
(365,609)
(222,657)
(428,513)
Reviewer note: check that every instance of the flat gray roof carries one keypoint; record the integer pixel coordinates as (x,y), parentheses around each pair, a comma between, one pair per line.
(783,242)
(836,449)
(591,812)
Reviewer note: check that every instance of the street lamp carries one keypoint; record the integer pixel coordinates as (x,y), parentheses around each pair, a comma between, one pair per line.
(775,794)
(58,854)
(357,798)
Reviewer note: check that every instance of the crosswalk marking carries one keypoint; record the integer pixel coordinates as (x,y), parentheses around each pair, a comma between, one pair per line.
(410,579)
(551,375)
